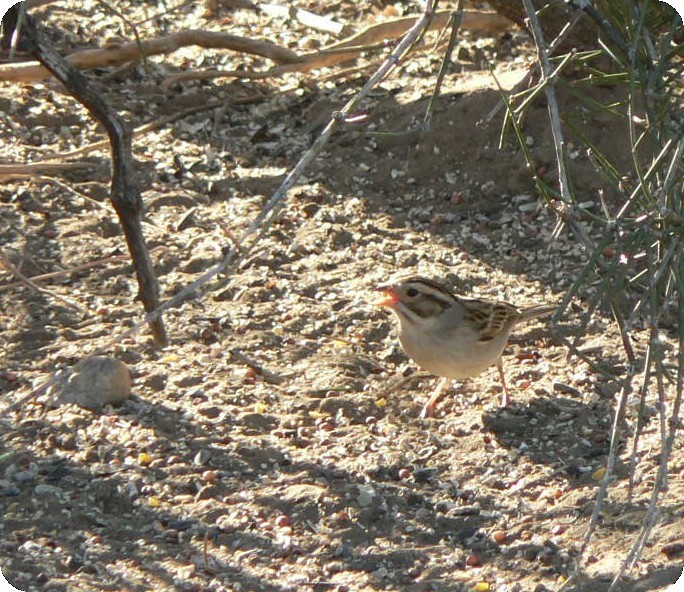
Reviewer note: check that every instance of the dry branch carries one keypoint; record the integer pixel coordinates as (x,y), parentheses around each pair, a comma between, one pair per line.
(477,21)
(113,56)
(36,168)
(125,194)
(481,22)
(64,272)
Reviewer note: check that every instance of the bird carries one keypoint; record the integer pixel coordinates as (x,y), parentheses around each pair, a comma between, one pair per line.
(450,335)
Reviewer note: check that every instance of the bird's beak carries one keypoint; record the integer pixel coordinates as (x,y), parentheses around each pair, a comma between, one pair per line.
(389,296)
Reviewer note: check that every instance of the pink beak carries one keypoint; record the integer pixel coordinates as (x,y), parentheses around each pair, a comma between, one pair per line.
(389,298)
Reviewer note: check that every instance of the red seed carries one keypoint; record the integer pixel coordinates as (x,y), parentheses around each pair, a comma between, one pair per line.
(500,537)
(473,561)
(283,521)
(404,473)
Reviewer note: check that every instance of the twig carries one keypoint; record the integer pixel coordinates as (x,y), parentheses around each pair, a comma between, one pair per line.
(661,478)
(554,111)
(351,47)
(31,284)
(93,58)
(66,272)
(604,23)
(455,21)
(33,168)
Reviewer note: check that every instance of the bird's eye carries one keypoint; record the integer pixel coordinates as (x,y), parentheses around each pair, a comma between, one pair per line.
(412,292)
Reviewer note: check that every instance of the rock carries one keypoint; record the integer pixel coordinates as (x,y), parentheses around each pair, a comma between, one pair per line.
(98,382)
(207,492)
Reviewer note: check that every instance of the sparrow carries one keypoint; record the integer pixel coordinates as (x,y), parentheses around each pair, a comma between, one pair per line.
(450,335)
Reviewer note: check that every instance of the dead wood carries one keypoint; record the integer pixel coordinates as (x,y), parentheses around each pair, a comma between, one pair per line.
(113,56)
(64,273)
(36,168)
(481,22)
(125,194)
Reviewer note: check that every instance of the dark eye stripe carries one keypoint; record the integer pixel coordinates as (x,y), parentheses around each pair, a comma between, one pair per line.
(431,286)
(429,289)
(428,305)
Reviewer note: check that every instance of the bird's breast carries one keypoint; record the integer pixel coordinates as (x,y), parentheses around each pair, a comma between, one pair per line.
(456,354)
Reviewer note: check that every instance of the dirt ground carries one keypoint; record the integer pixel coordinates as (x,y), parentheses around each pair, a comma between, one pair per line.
(275,444)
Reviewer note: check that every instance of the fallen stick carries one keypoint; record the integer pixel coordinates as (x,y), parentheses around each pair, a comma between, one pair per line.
(368,39)
(112,56)
(14,270)
(64,272)
(34,168)
(477,21)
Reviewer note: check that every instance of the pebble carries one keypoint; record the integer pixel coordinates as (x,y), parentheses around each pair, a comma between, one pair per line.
(206,492)
(202,457)
(45,489)
(366,495)
(99,381)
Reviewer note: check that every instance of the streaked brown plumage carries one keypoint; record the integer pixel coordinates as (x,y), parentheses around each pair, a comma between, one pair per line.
(451,335)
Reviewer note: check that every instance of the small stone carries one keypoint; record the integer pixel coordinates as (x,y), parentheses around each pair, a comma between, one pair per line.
(366,495)
(283,521)
(201,458)
(206,492)
(209,411)
(99,381)
(45,489)
(210,476)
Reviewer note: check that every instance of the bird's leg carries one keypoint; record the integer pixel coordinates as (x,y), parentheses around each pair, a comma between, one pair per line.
(506,398)
(429,408)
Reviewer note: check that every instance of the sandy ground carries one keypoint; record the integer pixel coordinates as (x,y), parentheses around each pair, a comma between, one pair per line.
(275,444)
